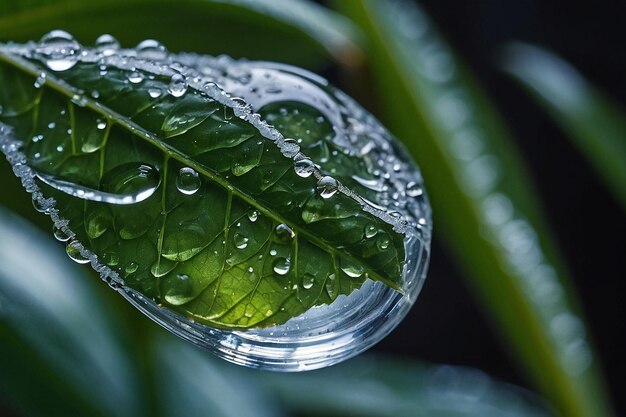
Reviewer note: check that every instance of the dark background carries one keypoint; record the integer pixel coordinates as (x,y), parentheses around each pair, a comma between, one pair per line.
(446,324)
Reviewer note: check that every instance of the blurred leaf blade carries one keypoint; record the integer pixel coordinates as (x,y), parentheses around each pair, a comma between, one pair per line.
(57,340)
(481,201)
(396,388)
(596,126)
(292,31)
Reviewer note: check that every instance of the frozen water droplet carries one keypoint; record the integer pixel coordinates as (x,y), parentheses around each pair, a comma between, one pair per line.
(73,251)
(154,92)
(135,77)
(59,50)
(188,181)
(284,233)
(413,189)
(304,167)
(307,281)
(370,231)
(253,215)
(290,148)
(178,85)
(327,186)
(59,234)
(151,49)
(107,45)
(282,265)
(241,242)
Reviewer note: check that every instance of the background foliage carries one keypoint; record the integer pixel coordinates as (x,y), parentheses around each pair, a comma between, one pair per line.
(546,179)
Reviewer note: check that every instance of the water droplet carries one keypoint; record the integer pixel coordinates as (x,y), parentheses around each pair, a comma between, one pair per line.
(41,80)
(241,241)
(154,92)
(131,268)
(307,281)
(290,148)
(304,167)
(188,181)
(253,215)
(110,258)
(370,231)
(413,189)
(178,85)
(178,290)
(327,186)
(59,50)
(107,45)
(101,124)
(284,233)
(273,252)
(352,270)
(382,242)
(59,234)
(73,251)
(51,125)
(282,265)
(135,77)
(151,49)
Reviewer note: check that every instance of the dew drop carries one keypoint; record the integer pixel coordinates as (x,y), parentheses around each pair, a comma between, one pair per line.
(131,268)
(327,186)
(41,80)
(253,215)
(178,85)
(59,234)
(273,252)
(284,233)
(107,45)
(307,281)
(282,265)
(413,189)
(370,231)
(59,50)
(151,49)
(382,242)
(188,181)
(154,92)
(290,148)
(73,251)
(352,270)
(304,167)
(241,241)
(110,258)
(135,77)
(178,289)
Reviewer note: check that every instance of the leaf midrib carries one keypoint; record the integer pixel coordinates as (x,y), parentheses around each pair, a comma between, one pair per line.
(69,91)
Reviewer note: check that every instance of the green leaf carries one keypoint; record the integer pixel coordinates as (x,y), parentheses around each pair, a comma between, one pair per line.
(487,212)
(185,195)
(380,387)
(594,124)
(292,31)
(56,339)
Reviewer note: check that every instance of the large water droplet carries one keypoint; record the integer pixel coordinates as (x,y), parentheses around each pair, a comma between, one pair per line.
(178,85)
(59,234)
(284,233)
(290,148)
(253,215)
(307,281)
(107,45)
(73,251)
(282,265)
(370,231)
(188,181)
(59,50)
(327,186)
(131,268)
(151,49)
(178,290)
(352,270)
(304,167)
(241,241)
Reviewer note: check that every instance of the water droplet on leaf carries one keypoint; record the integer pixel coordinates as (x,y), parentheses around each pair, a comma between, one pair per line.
(59,50)
(188,181)
(327,186)
(282,265)
(178,85)
(73,251)
(107,45)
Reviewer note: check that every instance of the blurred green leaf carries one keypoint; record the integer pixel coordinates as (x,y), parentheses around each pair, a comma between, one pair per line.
(60,353)
(292,31)
(595,125)
(482,204)
(395,388)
